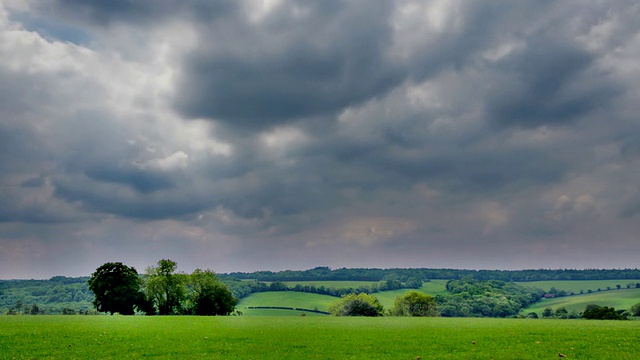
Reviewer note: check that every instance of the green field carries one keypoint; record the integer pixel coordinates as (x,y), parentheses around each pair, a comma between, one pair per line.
(577,285)
(619,299)
(335,284)
(111,337)
(284,298)
(321,302)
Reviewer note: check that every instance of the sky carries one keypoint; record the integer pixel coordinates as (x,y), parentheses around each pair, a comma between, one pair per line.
(244,135)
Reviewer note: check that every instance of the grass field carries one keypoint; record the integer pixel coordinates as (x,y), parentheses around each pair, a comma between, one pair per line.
(311,301)
(284,298)
(577,285)
(335,284)
(111,337)
(619,299)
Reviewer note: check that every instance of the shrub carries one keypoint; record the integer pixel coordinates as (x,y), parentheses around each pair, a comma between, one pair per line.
(356,305)
(414,303)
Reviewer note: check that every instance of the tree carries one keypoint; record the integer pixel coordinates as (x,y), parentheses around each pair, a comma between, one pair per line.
(562,313)
(116,288)
(35,310)
(547,312)
(413,283)
(165,288)
(207,295)
(357,305)
(414,303)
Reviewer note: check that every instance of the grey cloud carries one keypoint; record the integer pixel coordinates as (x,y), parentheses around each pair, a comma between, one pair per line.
(288,66)
(132,12)
(549,84)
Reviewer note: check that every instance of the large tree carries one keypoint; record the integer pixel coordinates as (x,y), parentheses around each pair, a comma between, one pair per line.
(414,303)
(165,288)
(116,288)
(207,295)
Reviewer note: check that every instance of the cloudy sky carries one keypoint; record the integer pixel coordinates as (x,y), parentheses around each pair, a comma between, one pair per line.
(268,135)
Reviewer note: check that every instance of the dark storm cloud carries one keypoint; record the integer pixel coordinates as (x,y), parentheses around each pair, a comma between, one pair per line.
(255,74)
(549,83)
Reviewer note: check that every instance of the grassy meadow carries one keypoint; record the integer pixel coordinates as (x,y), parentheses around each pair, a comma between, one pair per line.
(338,284)
(619,299)
(110,337)
(286,299)
(321,302)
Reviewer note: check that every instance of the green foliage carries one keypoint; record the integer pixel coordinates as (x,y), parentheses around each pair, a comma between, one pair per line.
(357,305)
(165,288)
(493,298)
(596,312)
(413,283)
(414,303)
(325,273)
(51,296)
(207,295)
(116,287)
(635,310)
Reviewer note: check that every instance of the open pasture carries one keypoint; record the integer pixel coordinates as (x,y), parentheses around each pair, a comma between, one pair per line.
(338,284)
(321,302)
(287,299)
(619,299)
(110,337)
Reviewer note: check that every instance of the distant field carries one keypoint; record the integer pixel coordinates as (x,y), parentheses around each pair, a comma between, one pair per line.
(577,285)
(311,301)
(334,284)
(173,337)
(619,299)
(292,299)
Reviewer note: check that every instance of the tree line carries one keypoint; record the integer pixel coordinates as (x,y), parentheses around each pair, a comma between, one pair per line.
(58,295)
(162,290)
(403,274)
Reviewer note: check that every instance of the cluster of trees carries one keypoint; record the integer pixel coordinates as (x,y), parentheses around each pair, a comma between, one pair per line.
(325,273)
(597,312)
(560,313)
(412,303)
(472,298)
(119,288)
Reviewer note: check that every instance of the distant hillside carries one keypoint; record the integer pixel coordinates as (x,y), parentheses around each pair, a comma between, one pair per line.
(619,299)
(364,274)
(65,295)
(58,295)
